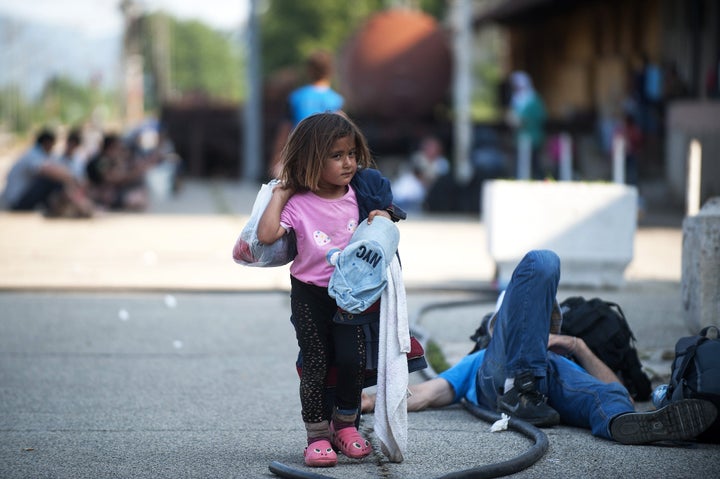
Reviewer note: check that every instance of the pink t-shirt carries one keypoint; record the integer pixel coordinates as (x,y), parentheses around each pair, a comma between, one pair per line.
(320,225)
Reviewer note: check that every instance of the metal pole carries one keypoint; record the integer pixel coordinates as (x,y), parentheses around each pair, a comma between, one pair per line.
(618,172)
(462,17)
(251,156)
(693,178)
(565,157)
(524,154)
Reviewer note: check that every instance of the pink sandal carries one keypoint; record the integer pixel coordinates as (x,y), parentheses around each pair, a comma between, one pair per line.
(350,442)
(320,454)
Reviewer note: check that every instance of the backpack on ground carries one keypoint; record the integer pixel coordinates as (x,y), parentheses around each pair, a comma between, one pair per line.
(604,328)
(695,373)
(481,336)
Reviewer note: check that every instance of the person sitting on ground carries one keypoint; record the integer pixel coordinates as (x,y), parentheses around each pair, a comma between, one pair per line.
(409,191)
(118,182)
(441,189)
(430,161)
(37,180)
(524,372)
(73,157)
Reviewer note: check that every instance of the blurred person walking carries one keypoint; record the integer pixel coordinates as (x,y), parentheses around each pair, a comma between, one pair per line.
(317,96)
(527,115)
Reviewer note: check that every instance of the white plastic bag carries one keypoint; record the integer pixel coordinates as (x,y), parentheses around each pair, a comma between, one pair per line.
(248,251)
(501,424)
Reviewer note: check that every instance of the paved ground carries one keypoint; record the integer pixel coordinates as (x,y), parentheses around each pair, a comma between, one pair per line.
(131,346)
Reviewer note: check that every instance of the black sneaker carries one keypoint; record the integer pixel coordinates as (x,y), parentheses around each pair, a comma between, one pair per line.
(678,421)
(525,402)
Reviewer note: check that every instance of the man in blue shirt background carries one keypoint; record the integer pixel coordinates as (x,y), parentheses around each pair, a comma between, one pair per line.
(317,96)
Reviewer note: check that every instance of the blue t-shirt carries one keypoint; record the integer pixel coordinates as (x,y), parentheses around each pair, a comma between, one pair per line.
(23,172)
(462,376)
(310,99)
(320,225)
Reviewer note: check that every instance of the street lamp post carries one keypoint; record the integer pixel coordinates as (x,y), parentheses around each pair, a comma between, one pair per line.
(251,157)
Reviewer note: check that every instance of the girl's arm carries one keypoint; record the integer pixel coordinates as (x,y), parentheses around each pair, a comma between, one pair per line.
(269,229)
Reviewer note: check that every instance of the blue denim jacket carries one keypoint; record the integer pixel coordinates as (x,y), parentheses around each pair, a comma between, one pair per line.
(360,274)
(360,269)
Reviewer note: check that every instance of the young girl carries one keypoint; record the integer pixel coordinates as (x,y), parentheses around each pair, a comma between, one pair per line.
(327,188)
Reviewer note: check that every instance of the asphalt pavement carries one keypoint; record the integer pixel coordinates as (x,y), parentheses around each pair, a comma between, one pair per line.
(131,346)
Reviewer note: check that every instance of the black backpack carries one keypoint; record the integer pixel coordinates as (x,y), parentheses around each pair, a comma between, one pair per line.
(481,336)
(695,373)
(603,327)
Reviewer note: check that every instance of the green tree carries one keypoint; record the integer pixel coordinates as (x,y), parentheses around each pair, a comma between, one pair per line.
(65,101)
(202,60)
(15,111)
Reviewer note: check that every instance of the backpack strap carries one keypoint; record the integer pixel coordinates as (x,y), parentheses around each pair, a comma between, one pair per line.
(710,332)
(622,315)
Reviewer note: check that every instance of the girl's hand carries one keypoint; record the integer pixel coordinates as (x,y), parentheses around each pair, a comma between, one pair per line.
(375,213)
(283,191)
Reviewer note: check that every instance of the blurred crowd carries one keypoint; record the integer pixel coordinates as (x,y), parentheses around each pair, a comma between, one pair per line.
(79,175)
(636,117)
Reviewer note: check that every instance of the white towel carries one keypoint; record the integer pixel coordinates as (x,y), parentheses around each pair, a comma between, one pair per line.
(392,379)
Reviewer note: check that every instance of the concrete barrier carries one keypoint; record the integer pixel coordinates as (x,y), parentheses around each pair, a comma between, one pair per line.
(590,225)
(701,267)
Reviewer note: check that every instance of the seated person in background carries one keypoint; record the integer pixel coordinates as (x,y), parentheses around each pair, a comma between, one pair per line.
(117,180)
(524,372)
(36,179)
(409,191)
(441,189)
(154,148)
(72,156)
(430,162)
(167,157)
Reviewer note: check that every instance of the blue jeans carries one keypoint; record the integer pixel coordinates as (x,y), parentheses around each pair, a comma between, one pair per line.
(519,343)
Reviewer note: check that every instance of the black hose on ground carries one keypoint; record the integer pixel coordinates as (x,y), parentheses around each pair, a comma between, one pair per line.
(280,469)
(539,438)
(485,471)
(511,466)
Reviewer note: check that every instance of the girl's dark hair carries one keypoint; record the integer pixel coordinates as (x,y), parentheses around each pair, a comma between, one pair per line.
(310,144)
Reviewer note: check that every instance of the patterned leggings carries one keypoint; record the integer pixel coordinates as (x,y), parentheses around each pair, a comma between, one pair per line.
(323,343)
